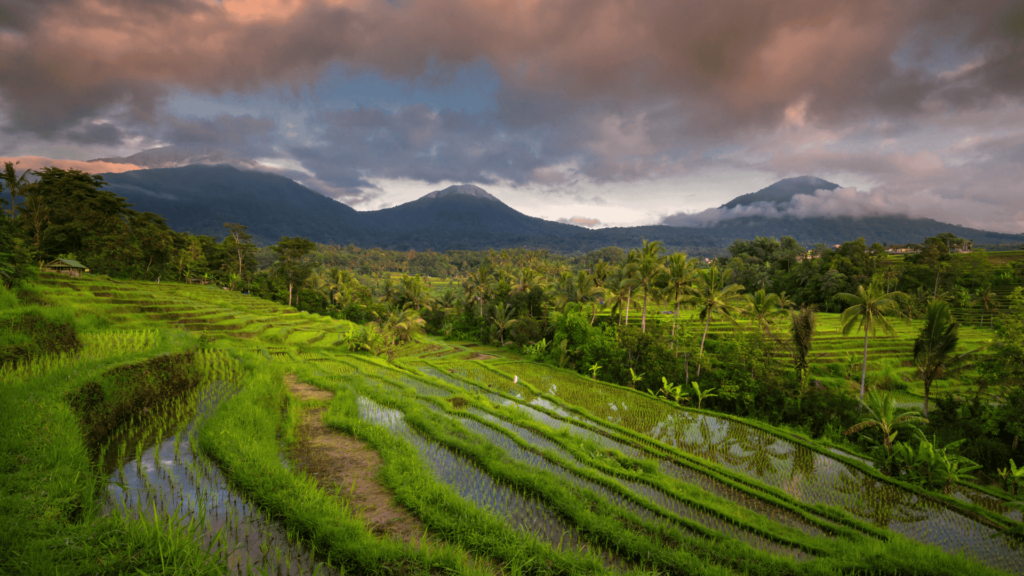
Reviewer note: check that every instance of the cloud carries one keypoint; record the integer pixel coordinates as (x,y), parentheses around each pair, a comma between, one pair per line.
(596,91)
(414,142)
(849,202)
(580,221)
(722,65)
(95,167)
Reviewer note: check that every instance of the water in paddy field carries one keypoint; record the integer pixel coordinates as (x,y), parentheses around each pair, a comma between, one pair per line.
(806,475)
(164,471)
(517,509)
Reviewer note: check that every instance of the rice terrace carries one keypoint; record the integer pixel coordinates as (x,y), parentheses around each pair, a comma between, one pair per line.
(185,428)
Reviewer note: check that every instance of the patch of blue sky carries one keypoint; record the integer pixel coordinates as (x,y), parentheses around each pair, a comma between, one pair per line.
(470,88)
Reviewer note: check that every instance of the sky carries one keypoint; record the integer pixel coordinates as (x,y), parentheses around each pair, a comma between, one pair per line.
(593,112)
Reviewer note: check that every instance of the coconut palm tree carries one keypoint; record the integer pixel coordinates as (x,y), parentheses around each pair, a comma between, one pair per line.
(503,318)
(581,289)
(987,299)
(526,280)
(712,295)
(625,281)
(882,412)
(478,285)
(936,345)
(867,310)
(14,183)
(649,267)
(679,275)
(601,272)
(802,332)
(765,309)
(415,294)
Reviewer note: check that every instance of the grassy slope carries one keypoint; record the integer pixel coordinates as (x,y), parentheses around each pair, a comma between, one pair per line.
(130,322)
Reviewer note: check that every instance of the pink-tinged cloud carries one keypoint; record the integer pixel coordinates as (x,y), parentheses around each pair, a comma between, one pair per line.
(724,64)
(94,167)
(580,221)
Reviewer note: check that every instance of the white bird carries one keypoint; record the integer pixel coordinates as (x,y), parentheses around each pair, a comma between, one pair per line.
(515,379)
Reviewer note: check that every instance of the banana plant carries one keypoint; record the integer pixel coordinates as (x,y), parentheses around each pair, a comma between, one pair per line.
(1004,477)
(634,378)
(1016,477)
(702,394)
(670,391)
(593,370)
(930,465)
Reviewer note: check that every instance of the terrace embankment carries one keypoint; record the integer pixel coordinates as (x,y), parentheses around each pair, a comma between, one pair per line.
(344,463)
(127,391)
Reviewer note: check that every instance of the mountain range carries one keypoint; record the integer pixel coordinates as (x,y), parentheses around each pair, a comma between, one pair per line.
(201,198)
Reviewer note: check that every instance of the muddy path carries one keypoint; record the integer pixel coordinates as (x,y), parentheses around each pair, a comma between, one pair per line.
(349,466)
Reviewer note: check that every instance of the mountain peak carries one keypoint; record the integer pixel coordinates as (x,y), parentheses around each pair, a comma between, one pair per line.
(783,191)
(463,189)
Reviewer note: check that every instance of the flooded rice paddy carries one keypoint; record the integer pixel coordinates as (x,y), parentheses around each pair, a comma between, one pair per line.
(154,466)
(807,476)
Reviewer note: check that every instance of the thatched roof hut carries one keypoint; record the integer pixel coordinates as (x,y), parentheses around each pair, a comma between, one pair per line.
(67,267)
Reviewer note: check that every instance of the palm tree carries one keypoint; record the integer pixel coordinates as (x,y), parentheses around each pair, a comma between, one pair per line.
(987,298)
(601,272)
(882,412)
(415,294)
(580,289)
(802,332)
(679,276)
(711,295)
(526,280)
(867,310)
(936,344)
(14,183)
(765,309)
(478,285)
(503,318)
(625,281)
(649,268)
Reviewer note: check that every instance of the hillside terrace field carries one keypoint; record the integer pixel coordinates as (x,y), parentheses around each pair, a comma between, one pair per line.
(198,430)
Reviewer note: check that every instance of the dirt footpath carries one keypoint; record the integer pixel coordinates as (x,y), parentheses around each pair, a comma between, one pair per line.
(339,461)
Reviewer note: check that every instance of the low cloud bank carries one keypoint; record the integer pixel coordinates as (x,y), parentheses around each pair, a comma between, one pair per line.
(580,221)
(824,203)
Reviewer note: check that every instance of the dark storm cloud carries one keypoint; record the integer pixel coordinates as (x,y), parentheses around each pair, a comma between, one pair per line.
(106,134)
(417,143)
(737,62)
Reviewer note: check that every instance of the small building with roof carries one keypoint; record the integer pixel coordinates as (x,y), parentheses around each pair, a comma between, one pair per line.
(66,267)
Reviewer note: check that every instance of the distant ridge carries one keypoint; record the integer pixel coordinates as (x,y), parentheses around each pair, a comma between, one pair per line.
(201,198)
(783,191)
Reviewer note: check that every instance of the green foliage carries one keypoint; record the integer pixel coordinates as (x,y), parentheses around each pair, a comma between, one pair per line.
(702,394)
(929,465)
(883,414)
(936,346)
(867,310)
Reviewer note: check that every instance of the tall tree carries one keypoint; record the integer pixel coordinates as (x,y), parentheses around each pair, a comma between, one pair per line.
(503,319)
(987,299)
(626,281)
(867,310)
(14,183)
(764,308)
(291,254)
(679,275)
(649,268)
(936,345)
(802,333)
(243,247)
(712,295)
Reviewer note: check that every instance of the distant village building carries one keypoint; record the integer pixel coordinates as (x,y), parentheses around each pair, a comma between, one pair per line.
(66,267)
(904,249)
